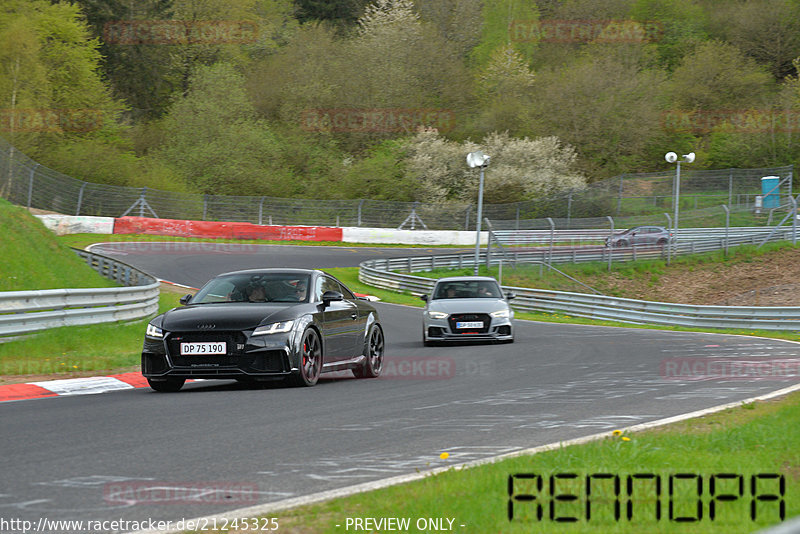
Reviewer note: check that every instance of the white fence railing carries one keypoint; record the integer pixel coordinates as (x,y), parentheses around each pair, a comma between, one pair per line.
(29,311)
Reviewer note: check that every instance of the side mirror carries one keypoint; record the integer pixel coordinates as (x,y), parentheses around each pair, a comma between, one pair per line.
(510,296)
(331,296)
(185,299)
(424,297)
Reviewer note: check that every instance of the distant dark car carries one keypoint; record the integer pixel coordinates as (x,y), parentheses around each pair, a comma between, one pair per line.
(264,324)
(640,235)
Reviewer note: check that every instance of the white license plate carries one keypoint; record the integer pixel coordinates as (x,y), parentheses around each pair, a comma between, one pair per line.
(469,324)
(216,347)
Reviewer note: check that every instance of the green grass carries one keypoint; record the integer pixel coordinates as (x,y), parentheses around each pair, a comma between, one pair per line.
(33,259)
(752,439)
(78,350)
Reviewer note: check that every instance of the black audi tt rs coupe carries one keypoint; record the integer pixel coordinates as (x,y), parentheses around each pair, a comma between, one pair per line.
(263,324)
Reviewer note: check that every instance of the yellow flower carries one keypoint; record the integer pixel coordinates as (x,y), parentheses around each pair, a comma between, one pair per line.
(617,432)
(444,455)
(625,438)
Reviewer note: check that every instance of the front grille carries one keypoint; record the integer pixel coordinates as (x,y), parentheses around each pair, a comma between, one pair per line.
(471,317)
(231,339)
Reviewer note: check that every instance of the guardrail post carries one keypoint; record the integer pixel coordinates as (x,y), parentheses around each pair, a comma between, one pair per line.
(569,209)
(30,185)
(205,206)
(669,239)
(794,219)
(552,237)
(360,203)
(80,199)
(727,226)
(611,239)
(261,211)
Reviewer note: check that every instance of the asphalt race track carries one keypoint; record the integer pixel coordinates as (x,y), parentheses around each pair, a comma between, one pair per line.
(193,264)
(64,457)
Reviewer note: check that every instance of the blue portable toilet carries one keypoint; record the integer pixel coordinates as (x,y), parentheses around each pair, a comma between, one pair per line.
(771,191)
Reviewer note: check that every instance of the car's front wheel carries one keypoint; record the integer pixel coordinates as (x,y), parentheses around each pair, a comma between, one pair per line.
(170,385)
(373,352)
(310,360)
(621,243)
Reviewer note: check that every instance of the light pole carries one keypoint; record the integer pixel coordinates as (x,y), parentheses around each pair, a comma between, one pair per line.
(672,157)
(478,159)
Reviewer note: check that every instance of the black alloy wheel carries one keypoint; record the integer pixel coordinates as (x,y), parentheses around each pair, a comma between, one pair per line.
(373,352)
(310,359)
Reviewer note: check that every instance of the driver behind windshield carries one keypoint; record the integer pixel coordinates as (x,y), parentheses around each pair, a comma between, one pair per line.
(256,293)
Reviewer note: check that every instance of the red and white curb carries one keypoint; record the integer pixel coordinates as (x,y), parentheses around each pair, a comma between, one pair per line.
(72,386)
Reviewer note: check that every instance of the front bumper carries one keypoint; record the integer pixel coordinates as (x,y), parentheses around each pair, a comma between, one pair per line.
(258,357)
(498,329)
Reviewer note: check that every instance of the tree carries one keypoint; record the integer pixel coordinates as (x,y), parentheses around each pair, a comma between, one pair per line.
(458,21)
(605,104)
(718,76)
(50,69)
(521,169)
(766,30)
(683,25)
(505,89)
(340,12)
(212,136)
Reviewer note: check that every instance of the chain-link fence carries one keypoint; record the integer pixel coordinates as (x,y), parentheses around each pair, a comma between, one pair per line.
(642,197)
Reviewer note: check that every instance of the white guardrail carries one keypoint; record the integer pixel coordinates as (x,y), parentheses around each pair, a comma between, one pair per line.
(29,311)
(379,273)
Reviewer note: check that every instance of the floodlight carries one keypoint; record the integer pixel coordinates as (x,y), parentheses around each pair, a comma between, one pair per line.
(671,157)
(477,159)
(688,158)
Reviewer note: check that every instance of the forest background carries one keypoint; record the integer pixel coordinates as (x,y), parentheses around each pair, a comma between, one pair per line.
(383,99)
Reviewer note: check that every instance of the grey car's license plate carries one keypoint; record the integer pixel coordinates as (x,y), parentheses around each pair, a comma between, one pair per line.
(469,324)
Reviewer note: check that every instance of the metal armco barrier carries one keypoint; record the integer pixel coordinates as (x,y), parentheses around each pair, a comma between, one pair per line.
(379,273)
(29,311)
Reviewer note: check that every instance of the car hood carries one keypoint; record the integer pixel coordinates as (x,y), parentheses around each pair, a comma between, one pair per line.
(233,316)
(467,305)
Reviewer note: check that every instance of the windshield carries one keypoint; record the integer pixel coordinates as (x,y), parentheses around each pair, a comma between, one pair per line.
(254,288)
(472,289)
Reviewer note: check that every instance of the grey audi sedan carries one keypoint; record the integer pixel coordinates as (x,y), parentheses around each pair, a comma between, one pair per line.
(464,308)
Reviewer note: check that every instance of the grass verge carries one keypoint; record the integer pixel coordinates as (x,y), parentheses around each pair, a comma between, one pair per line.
(33,259)
(746,443)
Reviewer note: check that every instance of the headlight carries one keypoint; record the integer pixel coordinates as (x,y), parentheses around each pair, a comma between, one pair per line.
(154,331)
(437,315)
(273,328)
(499,314)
